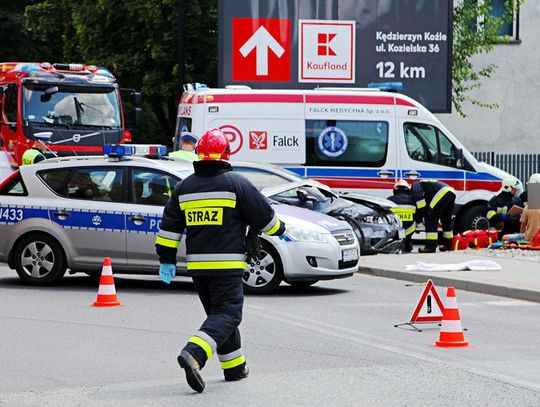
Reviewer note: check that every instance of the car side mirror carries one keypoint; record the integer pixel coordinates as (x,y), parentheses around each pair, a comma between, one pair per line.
(459,158)
(304,196)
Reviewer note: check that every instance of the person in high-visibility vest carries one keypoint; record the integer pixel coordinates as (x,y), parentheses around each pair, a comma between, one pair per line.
(214,206)
(405,209)
(434,201)
(187,147)
(35,153)
(499,206)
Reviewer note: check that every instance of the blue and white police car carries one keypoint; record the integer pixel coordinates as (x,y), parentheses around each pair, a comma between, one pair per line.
(69,213)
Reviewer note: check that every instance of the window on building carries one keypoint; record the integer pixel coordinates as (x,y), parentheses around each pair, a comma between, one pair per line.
(499,10)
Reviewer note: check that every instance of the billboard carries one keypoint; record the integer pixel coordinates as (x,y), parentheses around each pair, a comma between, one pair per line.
(302,44)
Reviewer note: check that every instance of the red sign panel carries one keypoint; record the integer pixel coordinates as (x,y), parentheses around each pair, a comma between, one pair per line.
(258,140)
(261,49)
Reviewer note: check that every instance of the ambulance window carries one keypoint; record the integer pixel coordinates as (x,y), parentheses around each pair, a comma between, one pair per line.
(261,178)
(183,124)
(346,142)
(428,144)
(151,187)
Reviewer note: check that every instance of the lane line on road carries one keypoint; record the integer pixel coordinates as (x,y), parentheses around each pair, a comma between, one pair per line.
(374,341)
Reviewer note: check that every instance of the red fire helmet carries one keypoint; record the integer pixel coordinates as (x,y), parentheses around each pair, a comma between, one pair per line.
(214,145)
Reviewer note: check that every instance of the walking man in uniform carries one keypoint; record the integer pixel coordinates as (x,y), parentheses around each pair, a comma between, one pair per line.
(215,205)
(434,202)
(35,153)
(406,210)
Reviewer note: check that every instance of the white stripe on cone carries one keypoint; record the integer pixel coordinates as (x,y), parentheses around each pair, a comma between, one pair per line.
(106,289)
(106,271)
(451,326)
(450,303)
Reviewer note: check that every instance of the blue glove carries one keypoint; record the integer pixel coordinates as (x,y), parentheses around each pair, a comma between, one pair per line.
(504,216)
(284,237)
(167,272)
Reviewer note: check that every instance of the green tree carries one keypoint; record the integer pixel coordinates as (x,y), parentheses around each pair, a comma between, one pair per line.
(476,30)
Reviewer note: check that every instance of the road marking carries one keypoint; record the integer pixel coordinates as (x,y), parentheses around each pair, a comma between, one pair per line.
(377,342)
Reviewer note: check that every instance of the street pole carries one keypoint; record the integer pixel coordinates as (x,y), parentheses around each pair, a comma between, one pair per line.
(181,42)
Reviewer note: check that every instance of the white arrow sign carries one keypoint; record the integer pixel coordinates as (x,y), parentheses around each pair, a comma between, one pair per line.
(262,41)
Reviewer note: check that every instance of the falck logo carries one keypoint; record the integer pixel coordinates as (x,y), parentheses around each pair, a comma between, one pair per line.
(258,140)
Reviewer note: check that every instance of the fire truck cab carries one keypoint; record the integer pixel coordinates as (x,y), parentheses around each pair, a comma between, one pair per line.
(79,104)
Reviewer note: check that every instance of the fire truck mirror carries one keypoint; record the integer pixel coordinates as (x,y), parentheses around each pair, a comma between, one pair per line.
(47,93)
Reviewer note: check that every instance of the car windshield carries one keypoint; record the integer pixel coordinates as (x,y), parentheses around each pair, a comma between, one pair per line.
(71,105)
(312,198)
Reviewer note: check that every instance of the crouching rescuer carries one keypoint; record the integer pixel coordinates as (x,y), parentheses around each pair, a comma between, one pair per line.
(215,206)
(434,202)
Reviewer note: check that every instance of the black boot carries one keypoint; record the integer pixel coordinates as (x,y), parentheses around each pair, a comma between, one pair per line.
(243,374)
(193,374)
(444,248)
(426,249)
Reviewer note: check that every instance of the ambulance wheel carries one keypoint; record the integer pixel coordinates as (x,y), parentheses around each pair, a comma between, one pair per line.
(302,284)
(266,273)
(39,260)
(473,218)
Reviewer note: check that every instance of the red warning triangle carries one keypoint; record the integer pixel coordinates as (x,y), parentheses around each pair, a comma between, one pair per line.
(430,308)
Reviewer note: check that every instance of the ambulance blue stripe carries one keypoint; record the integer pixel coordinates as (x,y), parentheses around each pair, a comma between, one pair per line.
(373,173)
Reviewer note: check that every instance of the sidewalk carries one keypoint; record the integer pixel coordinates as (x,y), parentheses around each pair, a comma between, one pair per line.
(518,278)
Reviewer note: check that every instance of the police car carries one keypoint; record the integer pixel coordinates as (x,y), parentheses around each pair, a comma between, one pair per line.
(69,213)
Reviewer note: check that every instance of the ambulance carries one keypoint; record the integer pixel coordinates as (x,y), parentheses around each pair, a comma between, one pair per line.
(351,139)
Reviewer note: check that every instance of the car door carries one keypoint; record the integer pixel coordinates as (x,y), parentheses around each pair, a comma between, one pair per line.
(89,212)
(427,153)
(149,190)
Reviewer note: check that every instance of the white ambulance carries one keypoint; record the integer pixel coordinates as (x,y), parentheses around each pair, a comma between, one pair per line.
(350,139)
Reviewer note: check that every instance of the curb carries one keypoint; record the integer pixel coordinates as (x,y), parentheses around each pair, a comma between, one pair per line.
(483,288)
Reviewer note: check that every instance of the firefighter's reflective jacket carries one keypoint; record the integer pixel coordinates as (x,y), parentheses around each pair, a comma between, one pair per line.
(500,204)
(427,194)
(214,206)
(406,210)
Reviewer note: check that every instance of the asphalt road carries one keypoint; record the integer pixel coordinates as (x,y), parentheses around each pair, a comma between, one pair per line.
(333,344)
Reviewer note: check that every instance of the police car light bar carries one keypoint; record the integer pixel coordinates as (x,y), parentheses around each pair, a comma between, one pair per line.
(387,86)
(145,150)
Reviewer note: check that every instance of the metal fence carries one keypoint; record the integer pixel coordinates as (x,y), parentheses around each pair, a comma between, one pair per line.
(520,166)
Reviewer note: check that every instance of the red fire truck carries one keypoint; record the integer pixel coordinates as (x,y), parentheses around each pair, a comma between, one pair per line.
(79,105)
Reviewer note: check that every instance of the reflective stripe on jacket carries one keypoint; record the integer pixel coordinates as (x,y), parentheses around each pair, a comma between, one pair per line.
(214,206)
(427,194)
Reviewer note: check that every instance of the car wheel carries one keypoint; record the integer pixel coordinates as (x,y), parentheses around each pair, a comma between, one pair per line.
(473,218)
(302,284)
(266,273)
(39,260)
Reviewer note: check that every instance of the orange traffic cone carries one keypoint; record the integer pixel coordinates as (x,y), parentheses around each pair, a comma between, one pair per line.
(451,335)
(106,296)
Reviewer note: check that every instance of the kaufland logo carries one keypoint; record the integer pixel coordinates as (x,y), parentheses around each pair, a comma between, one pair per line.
(323,44)
(327,51)
(258,140)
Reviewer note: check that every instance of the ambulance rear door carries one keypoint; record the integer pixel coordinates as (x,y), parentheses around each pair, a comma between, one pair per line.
(262,127)
(351,141)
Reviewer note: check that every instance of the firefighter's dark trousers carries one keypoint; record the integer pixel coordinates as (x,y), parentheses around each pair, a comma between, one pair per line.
(222,298)
(441,211)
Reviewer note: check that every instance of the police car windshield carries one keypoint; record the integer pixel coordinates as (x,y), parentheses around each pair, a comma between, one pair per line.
(72,106)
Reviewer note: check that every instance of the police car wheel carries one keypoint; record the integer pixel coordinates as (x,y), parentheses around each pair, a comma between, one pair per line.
(266,273)
(39,260)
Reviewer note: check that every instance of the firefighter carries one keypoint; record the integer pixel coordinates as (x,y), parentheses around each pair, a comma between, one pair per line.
(499,205)
(405,209)
(35,153)
(434,201)
(187,147)
(214,206)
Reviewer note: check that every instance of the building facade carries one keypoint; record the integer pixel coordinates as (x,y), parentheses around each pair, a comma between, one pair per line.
(514,127)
